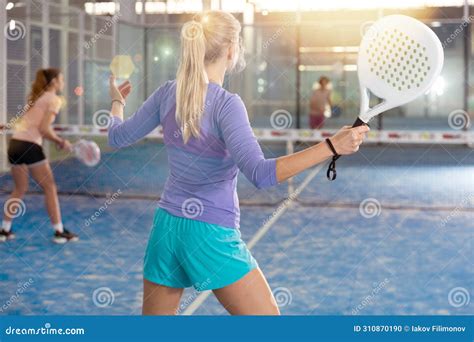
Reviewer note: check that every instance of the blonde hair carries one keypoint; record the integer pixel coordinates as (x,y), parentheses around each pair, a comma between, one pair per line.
(203,40)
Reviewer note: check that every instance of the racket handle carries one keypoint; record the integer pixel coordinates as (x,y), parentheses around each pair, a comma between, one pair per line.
(358,123)
(331,173)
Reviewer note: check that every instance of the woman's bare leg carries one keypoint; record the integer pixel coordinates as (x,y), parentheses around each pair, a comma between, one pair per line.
(159,299)
(20,179)
(43,175)
(250,295)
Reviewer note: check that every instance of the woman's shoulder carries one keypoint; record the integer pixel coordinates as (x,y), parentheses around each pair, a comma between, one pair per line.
(165,91)
(49,99)
(228,104)
(169,85)
(224,96)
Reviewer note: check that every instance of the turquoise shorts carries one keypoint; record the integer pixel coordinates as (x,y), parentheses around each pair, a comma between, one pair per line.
(182,252)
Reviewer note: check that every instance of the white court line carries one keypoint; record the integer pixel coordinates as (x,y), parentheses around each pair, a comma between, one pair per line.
(261,232)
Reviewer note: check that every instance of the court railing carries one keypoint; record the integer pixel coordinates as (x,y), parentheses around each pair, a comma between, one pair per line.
(311,135)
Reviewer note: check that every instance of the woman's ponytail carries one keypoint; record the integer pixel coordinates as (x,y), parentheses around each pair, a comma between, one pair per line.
(203,41)
(191,80)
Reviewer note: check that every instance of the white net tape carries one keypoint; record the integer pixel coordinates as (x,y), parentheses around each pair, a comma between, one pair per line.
(308,135)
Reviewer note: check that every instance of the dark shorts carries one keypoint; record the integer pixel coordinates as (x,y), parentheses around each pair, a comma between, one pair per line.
(316,121)
(25,152)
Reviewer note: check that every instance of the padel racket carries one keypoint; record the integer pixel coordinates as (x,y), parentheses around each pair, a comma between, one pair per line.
(87,152)
(399,59)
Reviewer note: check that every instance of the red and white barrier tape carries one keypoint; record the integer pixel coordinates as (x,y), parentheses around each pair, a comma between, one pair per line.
(307,135)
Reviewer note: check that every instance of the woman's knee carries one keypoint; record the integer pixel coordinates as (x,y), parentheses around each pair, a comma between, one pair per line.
(48,185)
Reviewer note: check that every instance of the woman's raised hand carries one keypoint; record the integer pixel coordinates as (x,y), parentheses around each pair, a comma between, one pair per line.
(119,92)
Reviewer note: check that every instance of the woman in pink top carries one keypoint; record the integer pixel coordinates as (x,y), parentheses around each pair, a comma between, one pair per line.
(26,155)
(320,103)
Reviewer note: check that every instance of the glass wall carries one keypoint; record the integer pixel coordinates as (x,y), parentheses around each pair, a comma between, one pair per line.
(332,51)
(266,85)
(131,42)
(17,66)
(49,35)
(98,49)
(431,110)
(162,54)
(269,83)
(284,63)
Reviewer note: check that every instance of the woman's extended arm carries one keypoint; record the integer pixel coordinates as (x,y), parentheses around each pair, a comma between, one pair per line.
(47,130)
(247,154)
(346,141)
(292,164)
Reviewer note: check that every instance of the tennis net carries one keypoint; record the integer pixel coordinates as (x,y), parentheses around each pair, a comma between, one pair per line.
(402,169)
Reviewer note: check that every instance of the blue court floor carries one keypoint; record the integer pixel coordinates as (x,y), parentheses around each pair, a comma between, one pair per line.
(325,255)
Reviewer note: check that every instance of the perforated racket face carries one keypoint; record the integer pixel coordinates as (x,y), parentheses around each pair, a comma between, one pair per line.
(87,152)
(399,59)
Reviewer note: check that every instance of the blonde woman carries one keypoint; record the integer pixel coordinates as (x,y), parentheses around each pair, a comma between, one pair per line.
(26,155)
(195,238)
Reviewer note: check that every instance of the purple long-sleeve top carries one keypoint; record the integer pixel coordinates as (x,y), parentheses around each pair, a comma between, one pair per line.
(202,182)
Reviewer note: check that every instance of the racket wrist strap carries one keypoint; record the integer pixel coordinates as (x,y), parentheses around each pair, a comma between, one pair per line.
(331,147)
(331,172)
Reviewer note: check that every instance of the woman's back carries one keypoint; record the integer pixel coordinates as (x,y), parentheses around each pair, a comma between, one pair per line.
(28,127)
(203,173)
